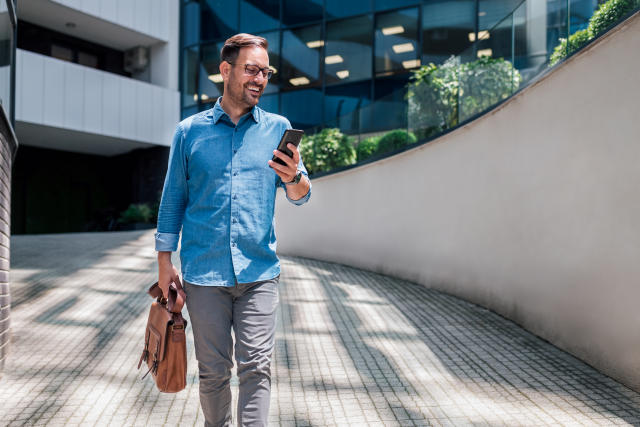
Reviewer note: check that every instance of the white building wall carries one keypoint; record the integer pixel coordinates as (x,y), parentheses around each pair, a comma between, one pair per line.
(61,94)
(144,16)
(533,210)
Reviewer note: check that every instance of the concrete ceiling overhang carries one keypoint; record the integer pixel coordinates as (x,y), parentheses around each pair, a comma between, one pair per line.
(37,135)
(55,16)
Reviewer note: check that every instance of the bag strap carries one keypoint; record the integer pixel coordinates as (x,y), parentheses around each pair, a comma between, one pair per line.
(176,299)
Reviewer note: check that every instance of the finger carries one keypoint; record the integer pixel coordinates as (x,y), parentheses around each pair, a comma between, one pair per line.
(280,169)
(282,156)
(296,153)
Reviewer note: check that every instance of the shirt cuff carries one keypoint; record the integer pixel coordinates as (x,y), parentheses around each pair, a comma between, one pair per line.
(167,242)
(302,200)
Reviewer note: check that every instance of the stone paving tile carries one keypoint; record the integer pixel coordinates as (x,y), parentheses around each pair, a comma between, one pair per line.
(353,348)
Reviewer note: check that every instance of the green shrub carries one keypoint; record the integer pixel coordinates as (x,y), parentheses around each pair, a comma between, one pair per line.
(567,47)
(367,147)
(394,140)
(140,212)
(607,15)
(327,150)
(610,13)
(442,96)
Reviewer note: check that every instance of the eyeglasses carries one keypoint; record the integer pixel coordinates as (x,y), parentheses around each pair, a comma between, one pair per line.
(253,70)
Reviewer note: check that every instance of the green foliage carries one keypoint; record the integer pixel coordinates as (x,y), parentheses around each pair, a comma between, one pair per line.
(327,150)
(140,212)
(367,147)
(442,96)
(395,139)
(607,15)
(566,47)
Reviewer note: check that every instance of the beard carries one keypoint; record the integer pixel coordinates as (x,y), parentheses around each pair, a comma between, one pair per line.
(242,95)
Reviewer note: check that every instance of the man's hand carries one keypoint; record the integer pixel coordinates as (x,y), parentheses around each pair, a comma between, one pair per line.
(167,273)
(288,172)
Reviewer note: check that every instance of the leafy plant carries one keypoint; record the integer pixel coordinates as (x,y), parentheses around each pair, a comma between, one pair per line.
(327,150)
(442,96)
(140,212)
(568,46)
(395,139)
(367,147)
(607,15)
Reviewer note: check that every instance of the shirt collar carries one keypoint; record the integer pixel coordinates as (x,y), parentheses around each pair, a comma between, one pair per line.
(217,112)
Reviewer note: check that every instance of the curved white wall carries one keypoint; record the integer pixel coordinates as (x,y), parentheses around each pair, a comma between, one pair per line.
(532,210)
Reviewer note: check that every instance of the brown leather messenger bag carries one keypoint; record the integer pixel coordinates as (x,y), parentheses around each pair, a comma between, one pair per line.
(165,344)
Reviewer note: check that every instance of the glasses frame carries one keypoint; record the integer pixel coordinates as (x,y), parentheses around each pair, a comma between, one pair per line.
(267,72)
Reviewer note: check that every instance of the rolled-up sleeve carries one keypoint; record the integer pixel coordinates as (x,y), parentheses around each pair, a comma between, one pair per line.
(174,197)
(304,199)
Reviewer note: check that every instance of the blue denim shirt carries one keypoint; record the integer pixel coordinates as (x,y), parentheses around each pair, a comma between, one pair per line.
(220,190)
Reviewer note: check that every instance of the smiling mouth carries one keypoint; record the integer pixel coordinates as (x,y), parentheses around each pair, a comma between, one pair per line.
(254,90)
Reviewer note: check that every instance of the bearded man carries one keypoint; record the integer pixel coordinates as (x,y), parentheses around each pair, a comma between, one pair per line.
(220,192)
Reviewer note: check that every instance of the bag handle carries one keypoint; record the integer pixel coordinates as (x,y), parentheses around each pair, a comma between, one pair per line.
(176,299)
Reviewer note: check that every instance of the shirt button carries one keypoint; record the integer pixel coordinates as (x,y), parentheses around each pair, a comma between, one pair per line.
(235,174)
(233,244)
(235,151)
(235,197)
(234,220)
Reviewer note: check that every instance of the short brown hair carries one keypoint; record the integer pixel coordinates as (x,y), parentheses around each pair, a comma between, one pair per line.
(232,46)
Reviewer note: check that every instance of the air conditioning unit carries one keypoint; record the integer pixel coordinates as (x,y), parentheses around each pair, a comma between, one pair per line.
(136,59)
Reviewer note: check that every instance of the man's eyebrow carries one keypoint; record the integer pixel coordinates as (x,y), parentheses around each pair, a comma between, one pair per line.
(251,63)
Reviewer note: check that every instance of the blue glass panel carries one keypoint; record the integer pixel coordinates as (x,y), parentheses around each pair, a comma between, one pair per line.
(189,76)
(259,15)
(273,38)
(190,111)
(303,108)
(342,8)
(269,103)
(343,105)
(389,111)
(301,56)
(190,25)
(392,4)
(210,81)
(491,12)
(397,41)
(348,50)
(296,12)
(447,28)
(219,19)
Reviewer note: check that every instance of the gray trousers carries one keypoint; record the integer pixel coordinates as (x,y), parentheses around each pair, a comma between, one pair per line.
(251,310)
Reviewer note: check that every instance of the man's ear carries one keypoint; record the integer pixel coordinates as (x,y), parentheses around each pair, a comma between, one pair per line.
(225,70)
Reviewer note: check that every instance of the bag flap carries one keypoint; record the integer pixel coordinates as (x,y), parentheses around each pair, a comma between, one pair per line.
(159,322)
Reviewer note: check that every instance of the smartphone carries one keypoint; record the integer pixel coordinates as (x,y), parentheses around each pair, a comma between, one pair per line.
(292,136)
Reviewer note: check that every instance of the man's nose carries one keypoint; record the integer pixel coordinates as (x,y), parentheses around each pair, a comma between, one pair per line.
(259,78)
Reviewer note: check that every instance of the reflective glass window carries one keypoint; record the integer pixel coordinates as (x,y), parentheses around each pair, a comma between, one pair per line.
(397,41)
(219,19)
(269,103)
(344,106)
(301,57)
(389,109)
(259,15)
(348,50)
(190,25)
(189,76)
(296,12)
(491,12)
(448,26)
(303,108)
(211,86)
(392,4)
(273,38)
(342,8)
(189,111)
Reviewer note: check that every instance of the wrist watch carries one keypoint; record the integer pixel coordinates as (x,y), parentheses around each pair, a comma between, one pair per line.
(296,179)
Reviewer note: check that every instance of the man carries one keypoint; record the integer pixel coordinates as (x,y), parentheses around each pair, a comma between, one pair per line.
(220,190)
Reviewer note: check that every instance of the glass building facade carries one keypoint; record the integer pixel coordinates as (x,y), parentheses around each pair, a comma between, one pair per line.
(332,58)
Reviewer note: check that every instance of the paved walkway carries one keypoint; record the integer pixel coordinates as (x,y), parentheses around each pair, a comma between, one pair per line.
(353,349)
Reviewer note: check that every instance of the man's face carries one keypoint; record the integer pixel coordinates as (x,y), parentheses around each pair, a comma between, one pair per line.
(242,89)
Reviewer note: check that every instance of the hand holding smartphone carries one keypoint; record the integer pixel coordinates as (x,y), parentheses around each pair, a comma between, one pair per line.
(293,136)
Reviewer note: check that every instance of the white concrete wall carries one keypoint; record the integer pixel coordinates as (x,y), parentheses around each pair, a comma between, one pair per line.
(532,210)
(61,94)
(144,16)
